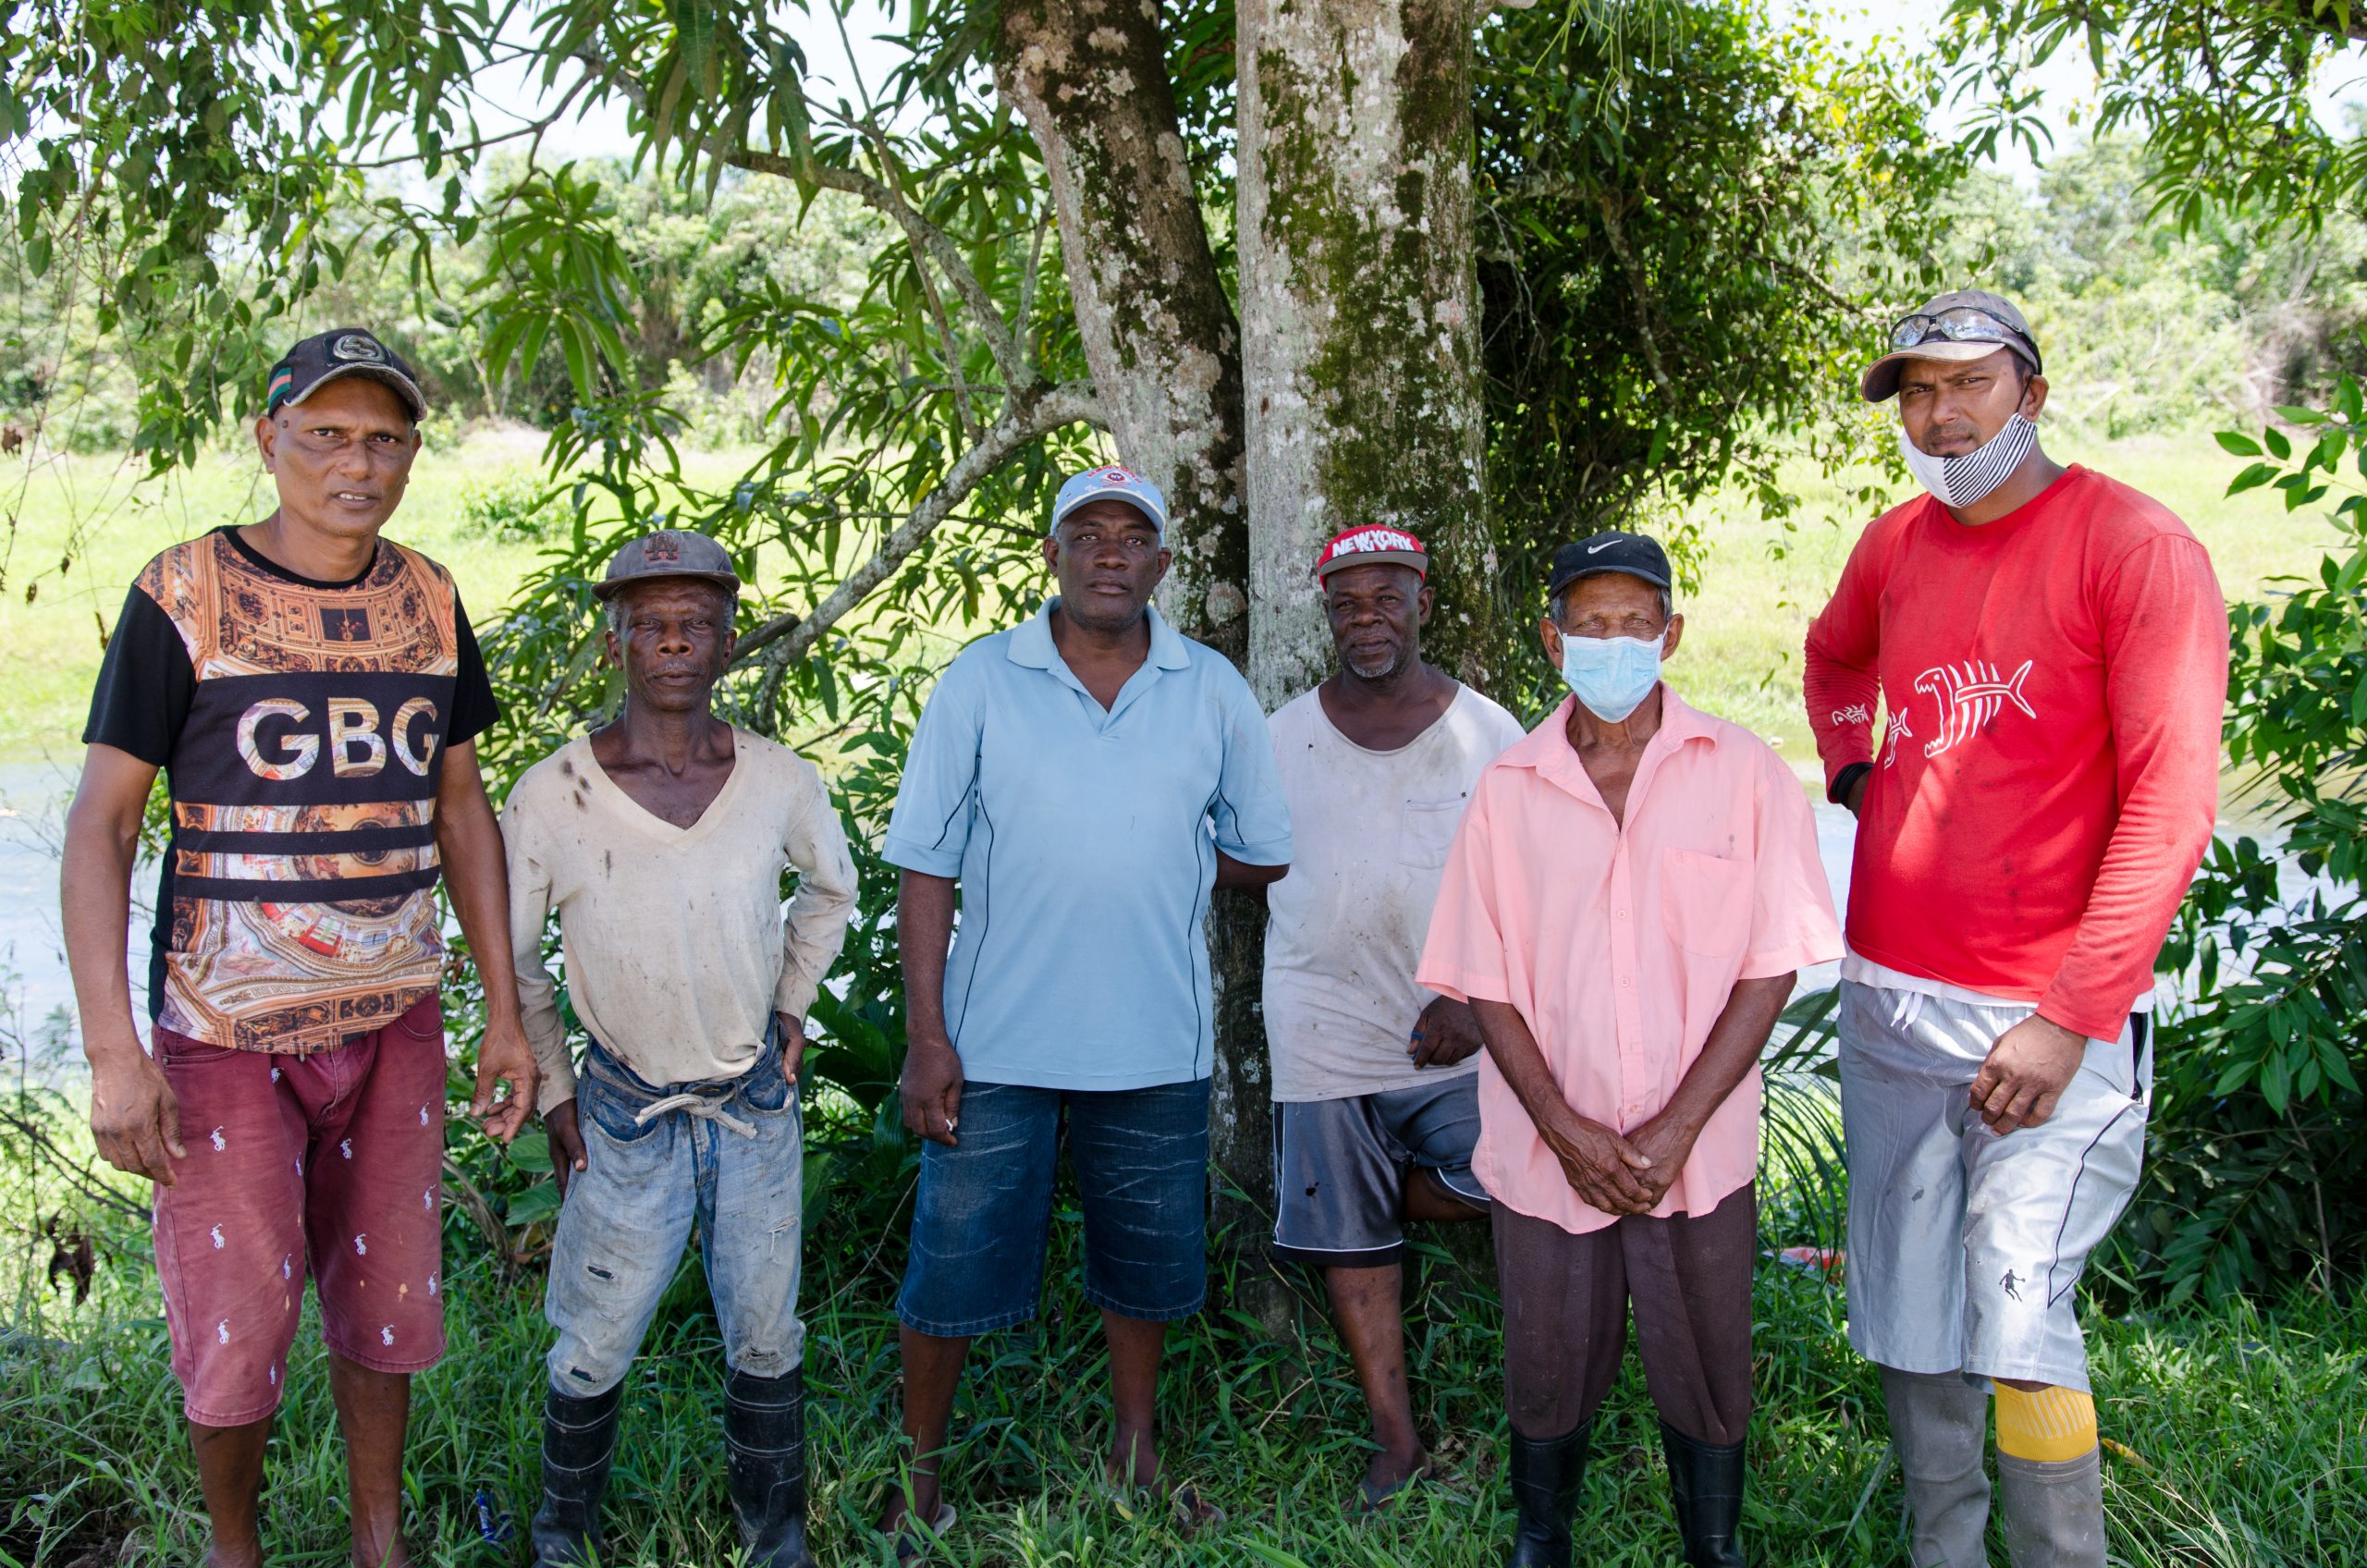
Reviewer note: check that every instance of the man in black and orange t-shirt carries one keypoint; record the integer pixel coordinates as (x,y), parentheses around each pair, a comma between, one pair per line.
(312,692)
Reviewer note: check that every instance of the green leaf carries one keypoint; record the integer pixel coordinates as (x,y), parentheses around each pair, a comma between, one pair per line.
(2292,415)
(2278,446)
(2239,445)
(2251,478)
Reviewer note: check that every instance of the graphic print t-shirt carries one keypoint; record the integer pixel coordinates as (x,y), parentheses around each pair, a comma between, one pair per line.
(302,727)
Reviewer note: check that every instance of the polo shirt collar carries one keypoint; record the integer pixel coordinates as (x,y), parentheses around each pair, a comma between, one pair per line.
(1031,642)
(1547,749)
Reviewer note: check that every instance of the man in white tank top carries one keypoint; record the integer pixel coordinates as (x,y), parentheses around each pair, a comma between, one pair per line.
(1376,1102)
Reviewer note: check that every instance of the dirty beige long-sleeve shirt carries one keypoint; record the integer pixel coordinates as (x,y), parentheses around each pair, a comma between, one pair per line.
(677,945)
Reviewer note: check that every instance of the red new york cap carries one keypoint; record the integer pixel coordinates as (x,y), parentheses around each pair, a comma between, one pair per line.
(1372,545)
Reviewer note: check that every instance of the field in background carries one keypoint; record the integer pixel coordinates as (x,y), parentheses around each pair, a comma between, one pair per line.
(76,529)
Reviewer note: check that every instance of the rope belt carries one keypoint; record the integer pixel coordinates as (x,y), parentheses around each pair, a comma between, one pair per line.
(696,1106)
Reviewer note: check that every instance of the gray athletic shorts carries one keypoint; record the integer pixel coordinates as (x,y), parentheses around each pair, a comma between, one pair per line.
(1341,1167)
(1965,1244)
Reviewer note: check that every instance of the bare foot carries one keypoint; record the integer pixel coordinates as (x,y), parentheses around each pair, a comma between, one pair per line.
(1389,1475)
(1191,1511)
(393,1554)
(902,1521)
(219,1556)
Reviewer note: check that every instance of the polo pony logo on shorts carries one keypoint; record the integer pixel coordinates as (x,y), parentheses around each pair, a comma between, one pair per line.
(222,1331)
(1970,696)
(359,1250)
(215,1139)
(218,1243)
(387,1335)
(345,1147)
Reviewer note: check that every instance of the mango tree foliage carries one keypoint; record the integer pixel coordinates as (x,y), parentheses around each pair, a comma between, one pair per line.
(2222,89)
(2259,1157)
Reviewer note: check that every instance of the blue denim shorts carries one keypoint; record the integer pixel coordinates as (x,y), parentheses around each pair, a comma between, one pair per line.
(983,1211)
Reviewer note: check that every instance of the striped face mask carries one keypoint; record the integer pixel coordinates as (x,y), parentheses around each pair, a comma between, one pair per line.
(1963,480)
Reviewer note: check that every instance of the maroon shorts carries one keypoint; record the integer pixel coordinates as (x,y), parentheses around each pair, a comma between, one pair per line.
(329,1164)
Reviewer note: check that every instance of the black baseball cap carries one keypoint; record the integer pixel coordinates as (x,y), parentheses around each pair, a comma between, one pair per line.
(334,355)
(1630,553)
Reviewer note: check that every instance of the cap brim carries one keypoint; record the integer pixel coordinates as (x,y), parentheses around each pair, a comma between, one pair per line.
(1561,583)
(1150,515)
(1880,383)
(1421,564)
(404,385)
(611,587)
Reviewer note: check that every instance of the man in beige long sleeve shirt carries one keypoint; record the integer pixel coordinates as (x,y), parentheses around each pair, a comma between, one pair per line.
(661,841)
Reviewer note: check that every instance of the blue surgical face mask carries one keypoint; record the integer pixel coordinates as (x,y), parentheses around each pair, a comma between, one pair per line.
(1611,674)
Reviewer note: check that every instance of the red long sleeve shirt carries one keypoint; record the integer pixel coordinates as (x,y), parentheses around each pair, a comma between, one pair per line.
(2049,768)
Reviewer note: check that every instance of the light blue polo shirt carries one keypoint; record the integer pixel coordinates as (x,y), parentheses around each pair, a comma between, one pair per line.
(1086,845)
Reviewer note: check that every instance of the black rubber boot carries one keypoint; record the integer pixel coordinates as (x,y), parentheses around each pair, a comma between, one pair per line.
(763,1442)
(1705,1480)
(578,1439)
(1545,1477)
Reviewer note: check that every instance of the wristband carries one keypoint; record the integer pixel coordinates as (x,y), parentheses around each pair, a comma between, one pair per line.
(1846,780)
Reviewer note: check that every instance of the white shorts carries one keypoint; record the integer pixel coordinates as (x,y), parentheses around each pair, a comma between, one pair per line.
(1965,1244)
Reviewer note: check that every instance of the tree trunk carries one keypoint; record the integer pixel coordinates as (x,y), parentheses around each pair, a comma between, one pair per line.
(1359,302)
(1091,79)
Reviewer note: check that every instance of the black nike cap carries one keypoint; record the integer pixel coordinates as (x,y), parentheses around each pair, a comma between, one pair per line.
(332,355)
(1630,553)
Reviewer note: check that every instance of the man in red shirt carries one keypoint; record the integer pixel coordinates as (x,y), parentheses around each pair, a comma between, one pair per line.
(2049,649)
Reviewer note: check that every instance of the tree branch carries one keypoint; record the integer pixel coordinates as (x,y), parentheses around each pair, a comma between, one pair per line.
(923,234)
(875,193)
(1033,414)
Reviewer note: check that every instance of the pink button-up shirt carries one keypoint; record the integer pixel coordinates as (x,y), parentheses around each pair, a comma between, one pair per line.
(1620,946)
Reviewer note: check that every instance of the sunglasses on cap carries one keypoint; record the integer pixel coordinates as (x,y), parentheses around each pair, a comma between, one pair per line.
(1960,324)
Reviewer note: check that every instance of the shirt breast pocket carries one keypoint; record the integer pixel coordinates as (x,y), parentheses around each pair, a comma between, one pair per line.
(1425,831)
(1705,902)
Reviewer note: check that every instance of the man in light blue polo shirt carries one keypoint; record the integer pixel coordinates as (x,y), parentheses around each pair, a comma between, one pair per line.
(1087,779)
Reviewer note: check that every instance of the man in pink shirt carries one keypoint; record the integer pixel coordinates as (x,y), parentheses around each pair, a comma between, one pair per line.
(1632,889)
(2049,649)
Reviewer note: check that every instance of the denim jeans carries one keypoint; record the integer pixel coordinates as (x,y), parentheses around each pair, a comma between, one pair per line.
(728,1155)
(984,1205)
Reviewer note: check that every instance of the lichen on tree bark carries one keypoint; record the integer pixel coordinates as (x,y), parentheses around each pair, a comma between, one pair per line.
(1091,79)
(1360,314)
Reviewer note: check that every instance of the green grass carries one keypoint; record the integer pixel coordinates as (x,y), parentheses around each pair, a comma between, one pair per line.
(77,528)
(2239,1437)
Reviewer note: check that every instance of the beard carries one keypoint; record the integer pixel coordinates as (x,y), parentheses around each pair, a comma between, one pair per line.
(1381,666)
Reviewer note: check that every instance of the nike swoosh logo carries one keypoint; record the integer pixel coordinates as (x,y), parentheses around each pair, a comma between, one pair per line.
(1604,546)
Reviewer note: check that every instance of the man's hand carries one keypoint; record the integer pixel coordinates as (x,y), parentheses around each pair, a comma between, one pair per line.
(2026,1072)
(503,1056)
(792,1044)
(931,1090)
(567,1143)
(1447,1033)
(1668,1144)
(1599,1164)
(134,1117)
(1857,796)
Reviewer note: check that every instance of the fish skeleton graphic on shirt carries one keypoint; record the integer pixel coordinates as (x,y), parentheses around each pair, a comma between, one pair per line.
(1970,696)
